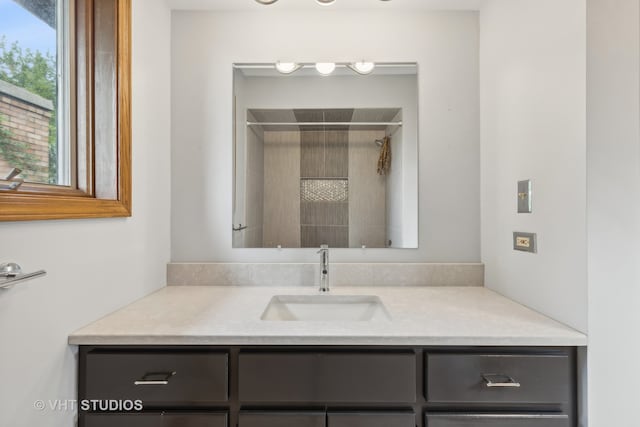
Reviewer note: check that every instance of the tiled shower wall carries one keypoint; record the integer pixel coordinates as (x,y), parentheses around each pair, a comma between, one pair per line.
(368,191)
(324,158)
(254,194)
(281,189)
(328,158)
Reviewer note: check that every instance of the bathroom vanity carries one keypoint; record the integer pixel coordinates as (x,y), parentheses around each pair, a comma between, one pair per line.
(447,357)
(336,386)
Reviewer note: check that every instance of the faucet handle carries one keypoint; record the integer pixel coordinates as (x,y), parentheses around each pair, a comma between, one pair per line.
(323,248)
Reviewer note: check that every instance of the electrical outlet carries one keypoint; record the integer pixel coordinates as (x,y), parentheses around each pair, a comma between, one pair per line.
(524,196)
(525,242)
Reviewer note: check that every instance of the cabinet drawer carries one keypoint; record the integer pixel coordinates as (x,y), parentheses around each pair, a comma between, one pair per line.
(193,377)
(502,420)
(155,420)
(371,419)
(124,420)
(498,378)
(327,377)
(282,419)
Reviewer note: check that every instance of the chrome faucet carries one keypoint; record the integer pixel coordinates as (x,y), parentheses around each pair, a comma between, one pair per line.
(324,268)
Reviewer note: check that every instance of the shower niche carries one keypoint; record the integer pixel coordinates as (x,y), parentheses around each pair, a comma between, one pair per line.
(323,175)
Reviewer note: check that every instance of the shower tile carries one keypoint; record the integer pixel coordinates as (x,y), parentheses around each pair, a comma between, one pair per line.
(324,214)
(336,160)
(324,190)
(368,191)
(281,189)
(334,236)
(312,154)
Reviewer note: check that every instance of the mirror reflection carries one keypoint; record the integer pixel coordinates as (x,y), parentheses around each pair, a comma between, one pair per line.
(325,160)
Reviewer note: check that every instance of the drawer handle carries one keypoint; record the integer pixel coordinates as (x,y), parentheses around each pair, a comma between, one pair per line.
(497,380)
(155,378)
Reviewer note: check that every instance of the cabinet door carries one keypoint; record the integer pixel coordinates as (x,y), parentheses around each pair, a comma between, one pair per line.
(325,377)
(121,420)
(194,420)
(371,419)
(282,419)
(159,378)
(497,420)
(155,420)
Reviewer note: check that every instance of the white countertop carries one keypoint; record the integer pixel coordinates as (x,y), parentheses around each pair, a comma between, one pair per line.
(230,315)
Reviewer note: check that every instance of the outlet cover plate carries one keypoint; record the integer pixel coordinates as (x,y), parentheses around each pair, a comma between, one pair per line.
(525,242)
(524,196)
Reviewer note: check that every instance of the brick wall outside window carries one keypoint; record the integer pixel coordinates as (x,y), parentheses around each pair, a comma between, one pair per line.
(26,116)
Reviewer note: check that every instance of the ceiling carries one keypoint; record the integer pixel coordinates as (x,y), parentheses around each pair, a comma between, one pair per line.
(231,5)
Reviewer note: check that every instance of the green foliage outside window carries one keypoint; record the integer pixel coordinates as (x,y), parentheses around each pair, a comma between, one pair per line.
(35,72)
(15,152)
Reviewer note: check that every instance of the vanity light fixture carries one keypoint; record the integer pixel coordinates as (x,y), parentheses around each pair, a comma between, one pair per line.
(325,68)
(321,2)
(362,67)
(287,67)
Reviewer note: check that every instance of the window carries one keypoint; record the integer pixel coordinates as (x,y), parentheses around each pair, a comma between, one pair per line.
(64,109)
(34,72)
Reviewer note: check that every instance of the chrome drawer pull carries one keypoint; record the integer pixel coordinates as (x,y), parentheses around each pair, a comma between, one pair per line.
(155,378)
(497,380)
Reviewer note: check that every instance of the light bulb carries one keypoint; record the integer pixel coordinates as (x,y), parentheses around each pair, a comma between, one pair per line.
(287,67)
(363,67)
(325,68)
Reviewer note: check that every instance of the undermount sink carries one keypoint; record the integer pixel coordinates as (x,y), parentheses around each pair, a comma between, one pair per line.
(326,308)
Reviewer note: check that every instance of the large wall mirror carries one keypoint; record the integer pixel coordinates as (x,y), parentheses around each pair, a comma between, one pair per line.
(325,157)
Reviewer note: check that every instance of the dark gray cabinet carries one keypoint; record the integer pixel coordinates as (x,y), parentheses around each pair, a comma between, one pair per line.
(327,377)
(157,378)
(155,420)
(498,378)
(371,419)
(124,420)
(282,419)
(330,386)
(498,420)
(194,420)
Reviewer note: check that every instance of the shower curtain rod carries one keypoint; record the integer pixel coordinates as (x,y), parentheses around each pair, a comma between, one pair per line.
(325,124)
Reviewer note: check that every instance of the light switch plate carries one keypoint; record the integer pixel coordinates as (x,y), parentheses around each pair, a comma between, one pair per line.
(524,196)
(525,242)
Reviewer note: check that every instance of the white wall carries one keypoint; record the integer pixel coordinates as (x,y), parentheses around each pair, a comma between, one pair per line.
(532,68)
(94,266)
(613,167)
(206,44)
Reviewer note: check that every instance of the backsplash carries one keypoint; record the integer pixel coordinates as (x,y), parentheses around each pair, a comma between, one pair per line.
(306,274)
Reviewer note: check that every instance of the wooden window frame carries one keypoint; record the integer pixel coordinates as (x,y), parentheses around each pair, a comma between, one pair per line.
(85,199)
